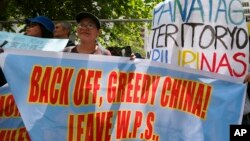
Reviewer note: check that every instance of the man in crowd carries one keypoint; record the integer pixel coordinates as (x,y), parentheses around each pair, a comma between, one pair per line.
(39,26)
(62,31)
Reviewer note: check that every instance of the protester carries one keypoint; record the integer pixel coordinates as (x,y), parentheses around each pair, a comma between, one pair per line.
(40,26)
(62,31)
(88,30)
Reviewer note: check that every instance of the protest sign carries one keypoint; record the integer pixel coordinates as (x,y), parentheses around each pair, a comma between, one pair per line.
(67,96)
(11,124)
(201,34)
(19,41)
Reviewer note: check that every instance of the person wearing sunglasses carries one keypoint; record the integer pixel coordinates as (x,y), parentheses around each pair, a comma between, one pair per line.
(88,30)
(40,26)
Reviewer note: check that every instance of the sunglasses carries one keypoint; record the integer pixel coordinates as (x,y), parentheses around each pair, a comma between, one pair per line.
(32,25)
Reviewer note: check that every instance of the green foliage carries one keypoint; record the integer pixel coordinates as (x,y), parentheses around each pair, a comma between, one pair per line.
(114,34)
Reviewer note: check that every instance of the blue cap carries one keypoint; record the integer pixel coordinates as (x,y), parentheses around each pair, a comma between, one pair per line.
(45,21)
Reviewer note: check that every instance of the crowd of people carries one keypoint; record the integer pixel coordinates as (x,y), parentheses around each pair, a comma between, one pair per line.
(88,30)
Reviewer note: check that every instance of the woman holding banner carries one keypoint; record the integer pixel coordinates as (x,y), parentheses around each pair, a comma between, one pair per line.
(40,26)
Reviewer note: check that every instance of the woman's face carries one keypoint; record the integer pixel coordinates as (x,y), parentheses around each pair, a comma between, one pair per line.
(87,30)
(33,29)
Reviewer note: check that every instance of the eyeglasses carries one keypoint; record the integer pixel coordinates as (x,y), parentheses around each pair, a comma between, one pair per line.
(88,26)
(32,25)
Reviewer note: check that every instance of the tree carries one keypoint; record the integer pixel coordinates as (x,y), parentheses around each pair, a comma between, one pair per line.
(115,34)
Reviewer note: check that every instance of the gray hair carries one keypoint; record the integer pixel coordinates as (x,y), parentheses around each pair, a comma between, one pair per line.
(65,26)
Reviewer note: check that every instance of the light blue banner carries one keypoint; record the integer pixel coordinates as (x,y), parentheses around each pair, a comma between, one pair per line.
(20,41)
(11,123)
(67,96)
